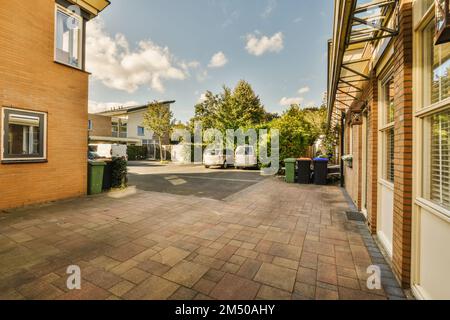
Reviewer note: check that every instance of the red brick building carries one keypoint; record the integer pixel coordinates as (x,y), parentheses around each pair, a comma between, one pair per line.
(388,96)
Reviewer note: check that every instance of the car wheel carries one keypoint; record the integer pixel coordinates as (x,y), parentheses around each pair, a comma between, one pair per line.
(207,167)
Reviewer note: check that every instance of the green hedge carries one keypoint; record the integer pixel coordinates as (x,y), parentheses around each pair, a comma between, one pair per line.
(119,173)
(136,153)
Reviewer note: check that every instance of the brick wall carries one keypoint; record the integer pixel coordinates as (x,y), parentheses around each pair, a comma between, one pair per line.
(403,145)
(29,79)
(101,126)
(372,165)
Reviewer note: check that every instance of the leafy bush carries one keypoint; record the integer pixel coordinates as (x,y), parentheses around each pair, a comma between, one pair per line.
(119,173)
(137,153)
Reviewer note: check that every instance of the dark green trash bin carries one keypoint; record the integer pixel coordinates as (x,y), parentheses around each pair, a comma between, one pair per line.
(95,177)
(290,170)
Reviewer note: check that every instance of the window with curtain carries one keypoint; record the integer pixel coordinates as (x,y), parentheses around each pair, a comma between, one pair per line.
(23,135)
(68,36)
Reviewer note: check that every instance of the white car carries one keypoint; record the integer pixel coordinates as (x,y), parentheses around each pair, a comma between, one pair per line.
(218,158)
(108,151)
(246,157)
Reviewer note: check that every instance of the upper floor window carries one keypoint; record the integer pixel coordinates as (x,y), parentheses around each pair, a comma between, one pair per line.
(23,136)
(68,37)
(140,131)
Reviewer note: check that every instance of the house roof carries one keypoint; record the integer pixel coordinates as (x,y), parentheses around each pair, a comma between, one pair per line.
(94,7)
(124,110)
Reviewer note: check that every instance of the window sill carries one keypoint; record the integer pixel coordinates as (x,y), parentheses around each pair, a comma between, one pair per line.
(71,67)
(434,208)
(387,184)
(24,161)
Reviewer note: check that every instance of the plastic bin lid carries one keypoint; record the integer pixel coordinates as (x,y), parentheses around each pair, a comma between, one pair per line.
(290,160)
(97,163)
(304,159)
(321,159)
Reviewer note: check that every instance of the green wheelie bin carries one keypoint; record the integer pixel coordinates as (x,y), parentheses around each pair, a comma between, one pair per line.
(95,177)
(290,170)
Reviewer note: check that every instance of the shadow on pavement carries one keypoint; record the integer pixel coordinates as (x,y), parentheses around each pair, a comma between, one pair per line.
(214,185)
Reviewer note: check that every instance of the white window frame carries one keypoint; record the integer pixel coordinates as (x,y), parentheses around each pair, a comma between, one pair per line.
(385,126)
(423,114)
(4,130)
(80,38)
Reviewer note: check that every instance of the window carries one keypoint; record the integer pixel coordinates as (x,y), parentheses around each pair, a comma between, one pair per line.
(68,37)
(119,128)
(388,132)
(437,68)
(440,159)
(140,131)
(90,125)
(23,135)
(436,123)
(390,144)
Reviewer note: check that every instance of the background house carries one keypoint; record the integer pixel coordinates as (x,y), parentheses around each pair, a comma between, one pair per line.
(43,100)
(126,125)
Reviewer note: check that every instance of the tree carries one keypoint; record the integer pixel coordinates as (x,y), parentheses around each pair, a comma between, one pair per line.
(246,107)
(231,109)
(299,129)
(158,119)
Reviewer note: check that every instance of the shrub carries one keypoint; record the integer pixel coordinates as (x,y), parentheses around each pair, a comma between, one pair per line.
(119,173)
(137,153)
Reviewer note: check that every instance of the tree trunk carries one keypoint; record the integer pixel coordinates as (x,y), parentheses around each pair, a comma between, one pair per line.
(160,149)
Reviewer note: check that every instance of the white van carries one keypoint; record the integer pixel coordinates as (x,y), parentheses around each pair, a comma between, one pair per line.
(246,157)
(218,158)
(108,151)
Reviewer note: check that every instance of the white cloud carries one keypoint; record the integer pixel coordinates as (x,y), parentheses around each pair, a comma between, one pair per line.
(96,107)
(202,75)
(271,5)
(290,101)
(258,45)
(218,60)
(310,104)
(231,19)
(111,61)
(304,90)
(299,19)
(202,98)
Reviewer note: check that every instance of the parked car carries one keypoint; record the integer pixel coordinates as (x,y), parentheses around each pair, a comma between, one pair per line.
(246,157)
(218,157)
(108,151)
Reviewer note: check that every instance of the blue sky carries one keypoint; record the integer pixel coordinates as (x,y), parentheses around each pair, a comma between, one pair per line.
(140,51)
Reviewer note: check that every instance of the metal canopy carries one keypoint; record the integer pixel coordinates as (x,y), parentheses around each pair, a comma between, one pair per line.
(358,26)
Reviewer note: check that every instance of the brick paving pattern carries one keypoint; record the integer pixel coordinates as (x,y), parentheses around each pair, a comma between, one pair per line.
(270,241)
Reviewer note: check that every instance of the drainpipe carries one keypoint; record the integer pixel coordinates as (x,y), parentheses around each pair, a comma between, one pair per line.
(342,149)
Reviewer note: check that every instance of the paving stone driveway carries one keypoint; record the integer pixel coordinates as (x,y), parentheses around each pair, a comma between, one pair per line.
(270,241)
